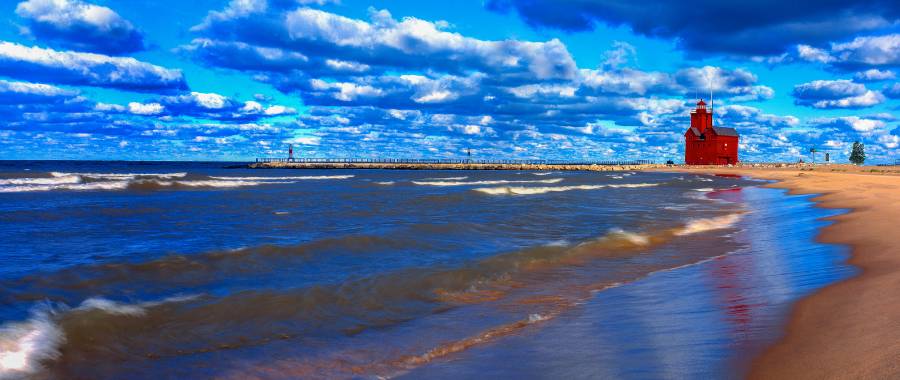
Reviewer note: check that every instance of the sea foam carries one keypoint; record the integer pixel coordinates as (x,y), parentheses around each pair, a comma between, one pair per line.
(146,181)
(709,224)
(295,178)
(475,183)
(521,190)
(24,345)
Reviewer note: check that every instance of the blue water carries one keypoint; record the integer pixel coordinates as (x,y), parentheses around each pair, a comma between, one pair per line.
(194,270)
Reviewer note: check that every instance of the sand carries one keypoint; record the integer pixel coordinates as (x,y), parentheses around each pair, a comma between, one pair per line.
(851,329)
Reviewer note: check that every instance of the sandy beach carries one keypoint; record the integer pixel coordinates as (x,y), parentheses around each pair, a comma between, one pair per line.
(850,330)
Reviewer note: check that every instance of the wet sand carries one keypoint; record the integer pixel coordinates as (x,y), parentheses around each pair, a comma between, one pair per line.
(849,330)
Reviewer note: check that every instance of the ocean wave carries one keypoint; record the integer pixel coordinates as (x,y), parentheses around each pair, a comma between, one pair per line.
(60,181)
(295,178)
(121,176)
(111,185)
(24,345)
(446,178)
(709,224)
(489,182)
(510,190)
(69,179)
(543,173)
(385,183)
(513,190)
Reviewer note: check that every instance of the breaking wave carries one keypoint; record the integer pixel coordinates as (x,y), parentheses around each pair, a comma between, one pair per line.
(296,178)
(446,178)
(24,345)
(512,190)
(709,224)
(475,183)
(140,181)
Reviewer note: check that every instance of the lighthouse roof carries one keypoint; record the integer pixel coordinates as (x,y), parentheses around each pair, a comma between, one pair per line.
(701,103)
(725,131)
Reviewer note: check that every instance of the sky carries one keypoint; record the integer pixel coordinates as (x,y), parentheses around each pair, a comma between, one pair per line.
(232,80)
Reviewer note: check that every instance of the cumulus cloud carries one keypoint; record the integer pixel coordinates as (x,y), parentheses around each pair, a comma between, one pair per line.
(874,75)
(752,117)
(840,93)
(320,43)
(24,93)
(88,69)
(855,123)
(734,28)
(145,108)
(75,24)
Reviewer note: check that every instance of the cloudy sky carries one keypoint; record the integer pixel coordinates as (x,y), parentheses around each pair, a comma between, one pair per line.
(577,79)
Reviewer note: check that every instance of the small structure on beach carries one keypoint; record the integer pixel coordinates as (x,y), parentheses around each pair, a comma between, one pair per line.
(705,144)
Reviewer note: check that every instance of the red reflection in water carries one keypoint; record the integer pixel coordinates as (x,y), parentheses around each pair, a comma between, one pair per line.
(733,275)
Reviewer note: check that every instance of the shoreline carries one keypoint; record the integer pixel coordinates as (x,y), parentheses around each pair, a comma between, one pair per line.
(850,329)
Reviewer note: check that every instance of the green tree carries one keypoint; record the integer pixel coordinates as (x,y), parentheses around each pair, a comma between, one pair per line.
(858,153)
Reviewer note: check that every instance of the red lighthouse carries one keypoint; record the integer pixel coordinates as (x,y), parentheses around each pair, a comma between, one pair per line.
(705,144)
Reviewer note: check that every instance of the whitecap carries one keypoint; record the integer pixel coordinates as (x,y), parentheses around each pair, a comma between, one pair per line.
(521,190)
(309,177)
(385,183)
(68,179)
(514,190)
(631,237)
(494,182)
(121,176)
(25,344)
(446,179)
(709,224)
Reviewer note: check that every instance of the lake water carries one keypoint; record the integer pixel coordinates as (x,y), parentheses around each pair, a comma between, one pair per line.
(191,270)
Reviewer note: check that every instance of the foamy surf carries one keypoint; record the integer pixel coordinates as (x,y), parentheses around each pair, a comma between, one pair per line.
(516,190)
(709,224)
(294,178)
(24,345)
(476,183)
(62,181)
(120,175)
(446,178)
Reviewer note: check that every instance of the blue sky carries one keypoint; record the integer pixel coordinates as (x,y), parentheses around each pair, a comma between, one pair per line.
(238,79)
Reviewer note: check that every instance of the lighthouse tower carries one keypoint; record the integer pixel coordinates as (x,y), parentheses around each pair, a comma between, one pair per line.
(706,144)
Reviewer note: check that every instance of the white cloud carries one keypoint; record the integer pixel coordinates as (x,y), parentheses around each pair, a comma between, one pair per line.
(812,54)
(145,108)
(85,69)
(874,75)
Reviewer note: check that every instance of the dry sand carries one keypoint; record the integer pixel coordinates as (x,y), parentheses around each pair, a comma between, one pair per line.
(851,329)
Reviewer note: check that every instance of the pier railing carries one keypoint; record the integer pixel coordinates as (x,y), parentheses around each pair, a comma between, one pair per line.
(449,161)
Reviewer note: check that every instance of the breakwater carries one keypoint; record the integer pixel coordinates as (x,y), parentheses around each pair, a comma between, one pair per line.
(451,166)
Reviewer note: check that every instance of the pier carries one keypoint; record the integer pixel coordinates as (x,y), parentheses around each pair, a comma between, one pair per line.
(447,164)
